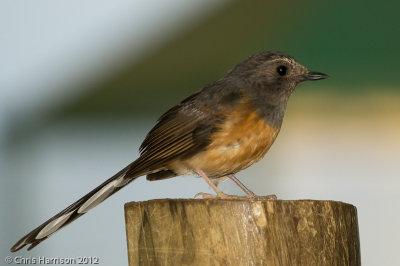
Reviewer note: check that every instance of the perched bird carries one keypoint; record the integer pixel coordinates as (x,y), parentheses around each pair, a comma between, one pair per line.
(216,132)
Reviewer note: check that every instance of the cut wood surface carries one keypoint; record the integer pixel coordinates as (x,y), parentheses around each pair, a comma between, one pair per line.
(241,232)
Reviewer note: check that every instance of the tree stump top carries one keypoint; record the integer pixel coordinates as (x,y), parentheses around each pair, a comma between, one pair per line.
(242,232)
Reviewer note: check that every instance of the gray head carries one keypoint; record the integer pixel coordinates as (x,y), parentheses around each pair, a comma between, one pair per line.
(271,77)
(274,71)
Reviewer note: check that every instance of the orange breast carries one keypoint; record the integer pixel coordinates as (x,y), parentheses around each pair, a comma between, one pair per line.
(242,140)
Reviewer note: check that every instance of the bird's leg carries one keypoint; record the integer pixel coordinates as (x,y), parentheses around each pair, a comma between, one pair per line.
(222,195)
(211,184)
(249,193)
(243,187)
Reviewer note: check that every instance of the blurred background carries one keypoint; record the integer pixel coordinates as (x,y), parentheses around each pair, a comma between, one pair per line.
(81,82)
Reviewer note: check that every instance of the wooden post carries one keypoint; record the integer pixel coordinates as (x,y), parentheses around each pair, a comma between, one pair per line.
(242,232)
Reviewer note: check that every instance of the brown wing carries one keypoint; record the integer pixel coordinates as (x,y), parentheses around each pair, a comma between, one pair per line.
(183,130)
(186,128)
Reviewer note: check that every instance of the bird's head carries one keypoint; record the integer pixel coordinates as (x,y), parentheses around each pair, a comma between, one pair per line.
(275,72)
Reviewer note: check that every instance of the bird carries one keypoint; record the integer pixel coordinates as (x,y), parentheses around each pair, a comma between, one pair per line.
(216,132)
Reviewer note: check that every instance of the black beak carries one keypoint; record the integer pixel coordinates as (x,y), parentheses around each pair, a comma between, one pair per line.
(315,76)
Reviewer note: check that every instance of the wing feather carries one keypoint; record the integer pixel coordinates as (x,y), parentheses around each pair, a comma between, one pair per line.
(188,127)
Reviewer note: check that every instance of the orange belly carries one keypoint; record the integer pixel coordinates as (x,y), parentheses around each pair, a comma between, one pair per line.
(243,139)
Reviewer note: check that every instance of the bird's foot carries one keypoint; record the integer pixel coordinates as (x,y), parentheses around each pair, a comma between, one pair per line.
(205,196)
(268,197)
(218,196)
(227,196)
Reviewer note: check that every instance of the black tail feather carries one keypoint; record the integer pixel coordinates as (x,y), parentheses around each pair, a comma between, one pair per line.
(79,208)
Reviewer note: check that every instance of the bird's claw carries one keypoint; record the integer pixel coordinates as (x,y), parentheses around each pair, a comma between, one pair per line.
(227,196)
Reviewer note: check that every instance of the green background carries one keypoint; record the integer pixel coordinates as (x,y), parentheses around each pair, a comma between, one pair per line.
(355,42)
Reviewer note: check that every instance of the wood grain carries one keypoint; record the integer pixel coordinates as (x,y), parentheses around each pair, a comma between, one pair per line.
(242,232)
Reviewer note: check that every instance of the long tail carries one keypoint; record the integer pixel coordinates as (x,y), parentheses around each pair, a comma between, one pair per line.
(79,208)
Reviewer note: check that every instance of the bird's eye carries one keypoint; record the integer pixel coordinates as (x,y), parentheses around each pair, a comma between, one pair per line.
(281,70)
